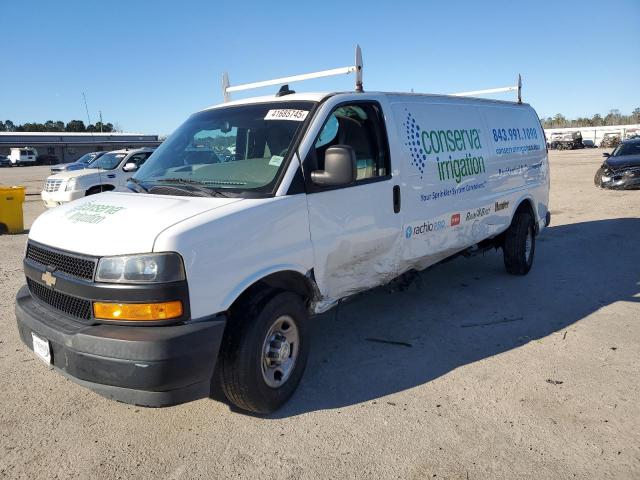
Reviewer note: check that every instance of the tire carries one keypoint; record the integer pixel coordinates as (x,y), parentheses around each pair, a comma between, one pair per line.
(598,177)
(246,369)
(519,244)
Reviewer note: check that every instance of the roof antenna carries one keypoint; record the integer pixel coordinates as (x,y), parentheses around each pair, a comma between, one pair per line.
(284,90)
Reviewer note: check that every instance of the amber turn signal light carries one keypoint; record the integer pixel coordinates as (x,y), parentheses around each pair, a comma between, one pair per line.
(138,311)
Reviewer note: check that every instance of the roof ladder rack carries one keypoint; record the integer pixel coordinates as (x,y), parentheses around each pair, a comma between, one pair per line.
(227,89)
(513,88)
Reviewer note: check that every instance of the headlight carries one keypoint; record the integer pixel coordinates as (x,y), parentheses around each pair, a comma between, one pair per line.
(71,184)
(148,268)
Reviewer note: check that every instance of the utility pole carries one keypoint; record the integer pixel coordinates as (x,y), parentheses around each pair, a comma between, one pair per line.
(100,112)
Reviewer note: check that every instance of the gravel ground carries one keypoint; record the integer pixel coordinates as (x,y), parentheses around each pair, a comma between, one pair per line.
(548,387)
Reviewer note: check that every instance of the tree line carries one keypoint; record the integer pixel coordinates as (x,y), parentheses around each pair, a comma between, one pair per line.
(614,117)
(57,126)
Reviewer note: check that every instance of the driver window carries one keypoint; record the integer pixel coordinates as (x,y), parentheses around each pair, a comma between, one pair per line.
(358,126)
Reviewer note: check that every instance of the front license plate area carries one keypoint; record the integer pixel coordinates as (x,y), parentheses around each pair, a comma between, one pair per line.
(41,348)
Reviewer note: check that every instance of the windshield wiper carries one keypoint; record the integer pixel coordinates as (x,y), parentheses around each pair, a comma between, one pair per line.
(196,185)
(139,184)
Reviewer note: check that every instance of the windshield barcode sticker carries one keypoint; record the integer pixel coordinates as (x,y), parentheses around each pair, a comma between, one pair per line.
(286,114)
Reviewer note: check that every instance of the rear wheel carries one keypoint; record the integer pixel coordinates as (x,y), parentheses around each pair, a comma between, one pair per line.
(264,352)
(519,244)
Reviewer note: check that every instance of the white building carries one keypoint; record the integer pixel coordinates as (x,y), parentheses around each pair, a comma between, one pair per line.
(69,146)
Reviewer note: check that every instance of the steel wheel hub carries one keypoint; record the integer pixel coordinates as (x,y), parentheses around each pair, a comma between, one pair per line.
(280,351)
(528,242)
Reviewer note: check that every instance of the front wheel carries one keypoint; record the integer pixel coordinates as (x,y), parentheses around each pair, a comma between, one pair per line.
(264,352)
(597,180)
(519,244)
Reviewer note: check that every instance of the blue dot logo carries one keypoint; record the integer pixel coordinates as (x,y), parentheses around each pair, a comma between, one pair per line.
(408,232)
(418,158)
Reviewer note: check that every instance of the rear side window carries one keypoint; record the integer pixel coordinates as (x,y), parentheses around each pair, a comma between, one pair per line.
(360,127)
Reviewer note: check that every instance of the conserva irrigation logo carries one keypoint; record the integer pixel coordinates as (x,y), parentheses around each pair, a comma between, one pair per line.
(447,146)
(91,212)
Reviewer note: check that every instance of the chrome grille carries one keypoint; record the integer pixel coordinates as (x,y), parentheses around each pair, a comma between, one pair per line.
(52,185)
(71,265)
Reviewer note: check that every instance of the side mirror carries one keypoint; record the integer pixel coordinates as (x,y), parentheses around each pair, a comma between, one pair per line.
(606,154)
(339,167)
(130,167)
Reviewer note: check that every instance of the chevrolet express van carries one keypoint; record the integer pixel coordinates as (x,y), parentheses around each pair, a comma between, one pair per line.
(254,215)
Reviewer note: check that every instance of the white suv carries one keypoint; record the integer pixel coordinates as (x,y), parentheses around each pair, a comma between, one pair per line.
(110,171)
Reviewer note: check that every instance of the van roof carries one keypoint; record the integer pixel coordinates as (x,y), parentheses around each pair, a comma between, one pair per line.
(318,96)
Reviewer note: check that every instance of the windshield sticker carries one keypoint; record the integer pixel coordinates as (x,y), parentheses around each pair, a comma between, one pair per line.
(276,160)
(287,114)
(91,212)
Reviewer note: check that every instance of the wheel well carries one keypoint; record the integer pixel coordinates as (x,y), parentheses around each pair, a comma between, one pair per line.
(100,188)
(288,280)
(527,207)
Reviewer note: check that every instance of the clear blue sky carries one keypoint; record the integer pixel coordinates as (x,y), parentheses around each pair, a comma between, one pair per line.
(148,65)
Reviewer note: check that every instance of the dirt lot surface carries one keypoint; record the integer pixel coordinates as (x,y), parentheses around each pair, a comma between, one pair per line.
(500,377)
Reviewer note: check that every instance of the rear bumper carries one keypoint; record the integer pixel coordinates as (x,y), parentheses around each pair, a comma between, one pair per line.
(149,366)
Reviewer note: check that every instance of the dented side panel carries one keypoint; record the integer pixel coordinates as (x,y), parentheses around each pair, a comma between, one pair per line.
(462,166)
(356,238)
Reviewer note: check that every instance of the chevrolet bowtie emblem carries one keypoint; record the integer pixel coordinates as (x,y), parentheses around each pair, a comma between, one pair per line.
(49,279)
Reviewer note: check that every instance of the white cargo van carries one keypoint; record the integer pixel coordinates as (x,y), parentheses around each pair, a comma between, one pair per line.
(216,259)
(23,156)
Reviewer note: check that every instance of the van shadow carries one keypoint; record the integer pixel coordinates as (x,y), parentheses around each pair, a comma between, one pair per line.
(438,320)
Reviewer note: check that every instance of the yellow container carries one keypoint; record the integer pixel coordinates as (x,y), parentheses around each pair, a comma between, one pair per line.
(11,200)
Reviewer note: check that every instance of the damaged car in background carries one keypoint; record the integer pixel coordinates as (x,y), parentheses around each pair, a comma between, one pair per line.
(621,169)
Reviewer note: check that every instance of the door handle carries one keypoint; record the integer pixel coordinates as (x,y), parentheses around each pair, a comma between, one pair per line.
(111,176)
(396,199)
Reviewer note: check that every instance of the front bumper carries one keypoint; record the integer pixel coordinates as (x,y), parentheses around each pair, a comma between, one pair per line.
(622,184)
(149,366)
(53,199)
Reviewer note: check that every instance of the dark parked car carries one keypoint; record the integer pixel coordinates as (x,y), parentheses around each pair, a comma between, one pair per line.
(589,144)
(80,164)
(46,159)
(4,161)
(621,169)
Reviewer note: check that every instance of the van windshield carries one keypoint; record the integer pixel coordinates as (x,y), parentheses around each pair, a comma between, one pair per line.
(236,149)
